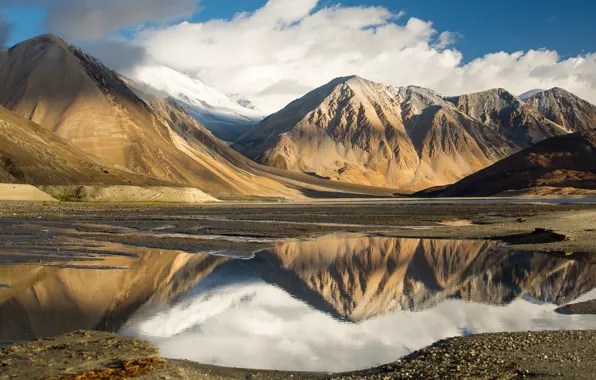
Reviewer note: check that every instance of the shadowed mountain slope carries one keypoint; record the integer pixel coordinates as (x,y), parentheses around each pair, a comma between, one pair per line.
(31,154)
(561,162)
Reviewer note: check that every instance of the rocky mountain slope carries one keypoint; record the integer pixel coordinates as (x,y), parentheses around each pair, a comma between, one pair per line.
(565,109)
(79,99)
(564,162)
(519,122)
(31,154)
(358,131)
(227,117)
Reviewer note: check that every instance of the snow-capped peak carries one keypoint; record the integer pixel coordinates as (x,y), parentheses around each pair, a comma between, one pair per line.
(227,117)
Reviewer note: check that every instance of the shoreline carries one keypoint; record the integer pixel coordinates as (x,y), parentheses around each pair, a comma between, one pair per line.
(543,355)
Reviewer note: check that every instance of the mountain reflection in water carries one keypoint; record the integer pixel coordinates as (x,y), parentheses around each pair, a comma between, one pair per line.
(336,303)
(346,302)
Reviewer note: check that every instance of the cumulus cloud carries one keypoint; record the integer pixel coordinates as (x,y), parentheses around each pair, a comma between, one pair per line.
(273,54)
(86,19)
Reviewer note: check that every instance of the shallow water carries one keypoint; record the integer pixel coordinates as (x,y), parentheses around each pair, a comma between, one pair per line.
(347,302)
(336,303)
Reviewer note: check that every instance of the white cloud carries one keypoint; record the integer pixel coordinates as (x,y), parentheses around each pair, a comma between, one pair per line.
(301,43)
(85,19)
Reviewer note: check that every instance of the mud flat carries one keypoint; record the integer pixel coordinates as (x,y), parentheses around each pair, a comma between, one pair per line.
(532,225)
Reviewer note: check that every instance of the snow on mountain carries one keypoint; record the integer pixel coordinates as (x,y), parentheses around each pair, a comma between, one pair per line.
(243,102)
(527,95)
(227,117)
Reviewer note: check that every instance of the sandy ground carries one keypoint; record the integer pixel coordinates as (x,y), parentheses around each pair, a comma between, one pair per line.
(129,194)
(15,192)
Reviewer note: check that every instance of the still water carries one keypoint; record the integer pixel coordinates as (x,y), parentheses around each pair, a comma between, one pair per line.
(335,303)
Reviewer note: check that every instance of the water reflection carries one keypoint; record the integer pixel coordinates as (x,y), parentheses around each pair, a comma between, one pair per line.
(336,303)
(55,298)
(345,302)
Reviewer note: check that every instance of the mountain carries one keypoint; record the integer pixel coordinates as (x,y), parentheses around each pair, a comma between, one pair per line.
(406,138)
(227,117)
(509,115)
(565,109)
(527,95)
(94,108)
(31,154)
(358,131)
(567,163)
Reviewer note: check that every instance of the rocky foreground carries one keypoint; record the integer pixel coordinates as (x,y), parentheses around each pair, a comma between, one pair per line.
(96,355)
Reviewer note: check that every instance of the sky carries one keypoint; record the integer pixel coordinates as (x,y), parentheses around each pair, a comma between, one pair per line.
(274,51)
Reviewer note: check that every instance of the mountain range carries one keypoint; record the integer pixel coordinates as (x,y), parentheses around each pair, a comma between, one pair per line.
(113,119)
(407,138)
(155,126)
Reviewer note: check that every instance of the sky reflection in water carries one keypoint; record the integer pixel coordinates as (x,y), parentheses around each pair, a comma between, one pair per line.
(348,302)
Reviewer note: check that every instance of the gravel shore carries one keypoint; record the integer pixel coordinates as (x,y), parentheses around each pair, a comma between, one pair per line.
(94,355)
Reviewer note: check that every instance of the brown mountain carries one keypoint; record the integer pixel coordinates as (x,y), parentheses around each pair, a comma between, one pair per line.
(31,154)
(75,96)
(521,123)
(358,131)
(78,98)
(565,109)
(565,162)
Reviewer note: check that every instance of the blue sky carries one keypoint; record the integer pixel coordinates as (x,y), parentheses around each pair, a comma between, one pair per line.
(483,26)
